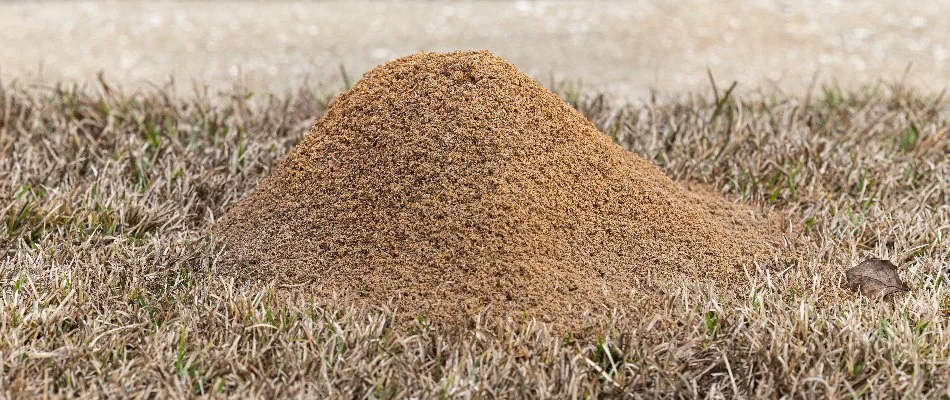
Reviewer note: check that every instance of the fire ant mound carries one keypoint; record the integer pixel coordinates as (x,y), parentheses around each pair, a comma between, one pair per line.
(452,185)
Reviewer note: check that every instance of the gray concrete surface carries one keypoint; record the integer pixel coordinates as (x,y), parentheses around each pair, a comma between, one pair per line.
(622,47)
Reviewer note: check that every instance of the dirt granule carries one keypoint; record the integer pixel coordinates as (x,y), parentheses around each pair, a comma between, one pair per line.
(453,185)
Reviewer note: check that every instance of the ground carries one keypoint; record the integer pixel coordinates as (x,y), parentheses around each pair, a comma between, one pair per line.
(110,282)
(623,48)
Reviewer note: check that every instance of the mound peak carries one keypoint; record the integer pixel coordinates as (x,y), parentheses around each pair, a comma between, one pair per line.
(453,184)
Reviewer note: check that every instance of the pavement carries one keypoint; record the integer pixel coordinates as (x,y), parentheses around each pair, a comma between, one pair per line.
(624,48)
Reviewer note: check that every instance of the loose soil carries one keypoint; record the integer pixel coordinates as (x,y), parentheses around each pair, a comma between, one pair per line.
(453,185)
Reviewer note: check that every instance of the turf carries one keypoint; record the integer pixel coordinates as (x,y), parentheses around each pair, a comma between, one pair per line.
(109,283)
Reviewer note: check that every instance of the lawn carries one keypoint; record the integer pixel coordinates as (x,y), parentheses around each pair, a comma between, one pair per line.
(109,282)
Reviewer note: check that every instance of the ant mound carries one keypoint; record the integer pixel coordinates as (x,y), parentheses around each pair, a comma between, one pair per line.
(453,185)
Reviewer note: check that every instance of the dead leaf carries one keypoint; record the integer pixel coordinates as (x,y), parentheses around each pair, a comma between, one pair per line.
(875,278)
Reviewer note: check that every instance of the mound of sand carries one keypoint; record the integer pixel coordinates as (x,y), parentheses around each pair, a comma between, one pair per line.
(453,184)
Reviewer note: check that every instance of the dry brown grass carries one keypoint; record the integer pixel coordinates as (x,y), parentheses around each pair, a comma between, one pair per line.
(109,285)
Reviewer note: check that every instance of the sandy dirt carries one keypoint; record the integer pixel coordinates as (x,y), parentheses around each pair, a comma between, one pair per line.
(625,48)
(453,186)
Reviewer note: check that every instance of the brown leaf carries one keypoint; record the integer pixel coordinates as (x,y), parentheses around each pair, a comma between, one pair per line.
(875,278)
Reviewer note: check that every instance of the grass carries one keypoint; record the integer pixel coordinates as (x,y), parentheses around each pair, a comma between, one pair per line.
(109,283)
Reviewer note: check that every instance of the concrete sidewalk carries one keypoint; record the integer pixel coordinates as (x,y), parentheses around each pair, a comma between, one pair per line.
(624,48)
